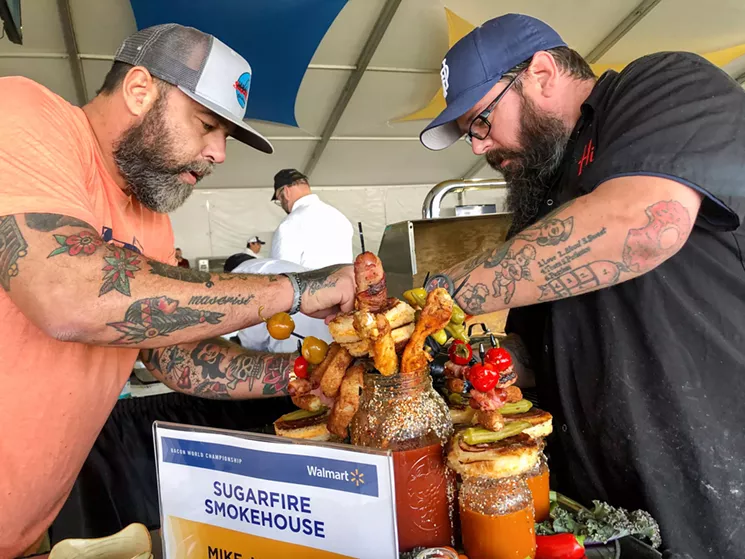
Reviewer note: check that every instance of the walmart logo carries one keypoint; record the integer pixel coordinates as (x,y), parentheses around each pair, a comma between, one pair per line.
(356,477)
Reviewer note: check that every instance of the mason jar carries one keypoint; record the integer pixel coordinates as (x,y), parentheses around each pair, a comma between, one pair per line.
(496,518)
(404,414)
(537,480)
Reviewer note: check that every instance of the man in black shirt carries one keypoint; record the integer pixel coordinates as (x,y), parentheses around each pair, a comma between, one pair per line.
(628,196)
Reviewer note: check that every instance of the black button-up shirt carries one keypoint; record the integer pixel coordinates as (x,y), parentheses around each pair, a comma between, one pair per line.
(646,379)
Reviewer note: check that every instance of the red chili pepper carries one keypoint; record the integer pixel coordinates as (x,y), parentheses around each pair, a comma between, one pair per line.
(460,352)
(483,377)
(499,357)
(560,546)
(301,367)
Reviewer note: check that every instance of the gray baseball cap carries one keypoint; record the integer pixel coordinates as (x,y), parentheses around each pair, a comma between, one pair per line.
(200,65)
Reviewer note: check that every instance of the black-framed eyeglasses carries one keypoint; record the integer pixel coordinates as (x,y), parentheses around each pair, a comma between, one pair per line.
(480,125)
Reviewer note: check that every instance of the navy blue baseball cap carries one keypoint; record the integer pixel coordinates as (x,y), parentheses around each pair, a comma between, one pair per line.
(477,62)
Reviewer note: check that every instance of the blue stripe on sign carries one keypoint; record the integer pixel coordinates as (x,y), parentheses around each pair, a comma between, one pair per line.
(328,473)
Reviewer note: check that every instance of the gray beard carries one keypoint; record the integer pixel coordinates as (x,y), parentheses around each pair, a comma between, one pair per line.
(144,158)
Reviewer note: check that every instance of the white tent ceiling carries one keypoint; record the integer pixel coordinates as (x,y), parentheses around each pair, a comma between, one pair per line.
(366,148)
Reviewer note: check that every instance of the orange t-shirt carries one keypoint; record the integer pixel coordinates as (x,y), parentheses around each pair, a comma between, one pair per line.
(55,396)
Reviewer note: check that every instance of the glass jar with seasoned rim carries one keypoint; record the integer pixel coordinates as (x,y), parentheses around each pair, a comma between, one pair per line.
(404,414)
(497,520)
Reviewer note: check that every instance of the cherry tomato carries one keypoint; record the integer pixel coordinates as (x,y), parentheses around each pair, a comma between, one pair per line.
(460,352)
(483,377)
(499,357)
(314,350)
(280,326)
(301,367)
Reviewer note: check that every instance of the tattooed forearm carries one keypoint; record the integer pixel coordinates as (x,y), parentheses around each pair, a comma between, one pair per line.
(219,369)
(528,269)
(157,317)
(12,247)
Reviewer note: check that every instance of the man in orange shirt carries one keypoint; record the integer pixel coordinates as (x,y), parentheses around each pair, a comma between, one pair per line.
(87,274)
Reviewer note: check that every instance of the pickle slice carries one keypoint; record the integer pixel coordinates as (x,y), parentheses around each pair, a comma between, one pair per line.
(457,399)
(301,414)
(479,435)
(518,407)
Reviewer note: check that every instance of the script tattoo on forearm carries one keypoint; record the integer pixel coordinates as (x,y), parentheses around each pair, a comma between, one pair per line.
(157,317)
(224,300)
(180,274)
(216,368)
(313,281)
(12,248)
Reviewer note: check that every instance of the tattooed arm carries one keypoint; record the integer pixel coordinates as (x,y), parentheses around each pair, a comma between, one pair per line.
(218,369)
(76,287)
(626,227)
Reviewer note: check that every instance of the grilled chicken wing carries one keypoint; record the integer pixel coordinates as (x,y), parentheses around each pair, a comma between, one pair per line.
(435,316)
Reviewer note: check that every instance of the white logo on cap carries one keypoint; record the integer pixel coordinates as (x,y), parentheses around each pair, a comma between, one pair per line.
(444,75)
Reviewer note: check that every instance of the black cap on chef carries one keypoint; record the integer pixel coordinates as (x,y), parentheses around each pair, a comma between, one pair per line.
(285,177)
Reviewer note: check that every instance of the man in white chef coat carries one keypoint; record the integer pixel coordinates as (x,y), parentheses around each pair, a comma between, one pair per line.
(314,234)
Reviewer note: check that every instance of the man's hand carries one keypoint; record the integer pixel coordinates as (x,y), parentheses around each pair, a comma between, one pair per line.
(327,291)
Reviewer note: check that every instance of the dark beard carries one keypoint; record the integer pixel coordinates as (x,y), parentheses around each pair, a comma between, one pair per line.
(144,155)
(530,172)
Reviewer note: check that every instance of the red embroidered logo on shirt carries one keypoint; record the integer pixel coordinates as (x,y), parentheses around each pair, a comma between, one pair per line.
(588,155)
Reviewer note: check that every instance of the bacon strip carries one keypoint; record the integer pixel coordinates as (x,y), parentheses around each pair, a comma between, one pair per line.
(372,293)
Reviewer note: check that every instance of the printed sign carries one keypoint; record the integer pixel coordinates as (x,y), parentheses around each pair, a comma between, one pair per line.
(229,495)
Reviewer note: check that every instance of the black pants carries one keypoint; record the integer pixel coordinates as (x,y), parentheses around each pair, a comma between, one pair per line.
(117,485)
